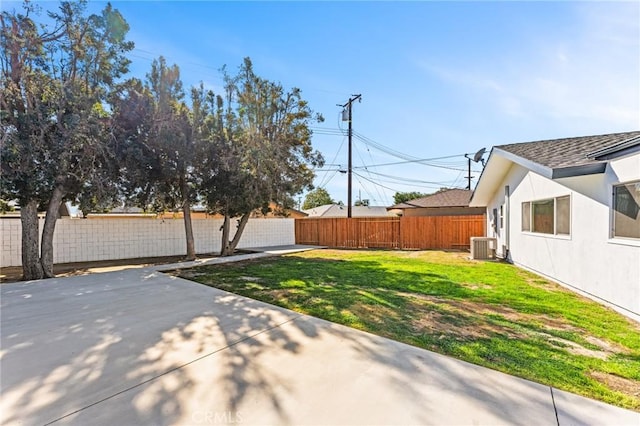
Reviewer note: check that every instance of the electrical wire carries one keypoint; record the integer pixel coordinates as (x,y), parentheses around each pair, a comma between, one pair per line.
(323,183)
(404,179)
(371,157)
(431,162)
(382,186)
(366,190)
(365,167)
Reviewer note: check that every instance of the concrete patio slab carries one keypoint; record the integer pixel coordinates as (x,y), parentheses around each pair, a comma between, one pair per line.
(141,347)
(278,250)
(310,372)
(573,411)
(67,343)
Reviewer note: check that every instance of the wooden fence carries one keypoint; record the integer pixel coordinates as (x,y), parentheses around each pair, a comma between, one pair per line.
(426,232)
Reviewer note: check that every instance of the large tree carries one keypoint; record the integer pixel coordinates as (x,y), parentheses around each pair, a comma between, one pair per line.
(55,79)
(257,151)
(153,129)
(317,197)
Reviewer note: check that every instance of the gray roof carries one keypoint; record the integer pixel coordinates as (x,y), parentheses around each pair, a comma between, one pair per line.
(571,152)
(554,159)
(335,210)
(446,198)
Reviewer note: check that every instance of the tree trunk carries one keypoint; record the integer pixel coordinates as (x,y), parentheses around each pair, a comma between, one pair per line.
(186,214)
(31,267)
(46,249)
(231,245)
(188,229)
(224,248)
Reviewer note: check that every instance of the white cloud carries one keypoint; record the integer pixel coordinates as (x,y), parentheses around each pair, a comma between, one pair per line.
(590,77)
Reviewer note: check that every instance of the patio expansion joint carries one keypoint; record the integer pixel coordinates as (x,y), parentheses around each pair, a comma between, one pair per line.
(555,408)
(171,370)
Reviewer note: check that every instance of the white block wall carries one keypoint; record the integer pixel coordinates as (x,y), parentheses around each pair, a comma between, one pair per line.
(84,240)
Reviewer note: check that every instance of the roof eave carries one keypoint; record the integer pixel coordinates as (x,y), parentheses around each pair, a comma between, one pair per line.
(496,168)
(630,146)
(524,162)
(586,169)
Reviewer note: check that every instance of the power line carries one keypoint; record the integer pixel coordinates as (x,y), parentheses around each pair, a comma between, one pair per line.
(366,190)
(416,185)
(404,179)
(332,161)
(406,157)
(365,167)
(432,187)
(398,154)
(375,183)
(419,160)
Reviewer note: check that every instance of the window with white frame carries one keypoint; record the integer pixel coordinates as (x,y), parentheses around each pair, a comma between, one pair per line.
(626,210)
(549,216)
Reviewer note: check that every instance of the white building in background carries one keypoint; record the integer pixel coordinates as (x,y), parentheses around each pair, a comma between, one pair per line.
(569,209)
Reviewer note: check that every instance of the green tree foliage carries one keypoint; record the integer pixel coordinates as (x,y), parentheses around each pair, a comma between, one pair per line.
(5,207)
(156,145)
(54,132)
(317,197)
(257,147)
(403,197)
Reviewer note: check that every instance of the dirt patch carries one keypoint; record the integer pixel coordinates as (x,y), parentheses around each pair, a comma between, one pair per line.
(476,286)
(617,383)
(14,273)
(466,319)
(441,323)
(577,349)
(539,282)
(606,346)
(374,313)
(440,256)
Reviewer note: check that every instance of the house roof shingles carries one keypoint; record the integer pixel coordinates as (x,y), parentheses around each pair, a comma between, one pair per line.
(567,152)
(448,198)
(554,159)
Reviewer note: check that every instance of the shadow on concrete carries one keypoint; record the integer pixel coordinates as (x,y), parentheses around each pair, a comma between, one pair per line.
(140,347)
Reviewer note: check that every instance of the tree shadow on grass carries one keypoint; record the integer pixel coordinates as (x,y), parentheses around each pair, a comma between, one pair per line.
(138,347)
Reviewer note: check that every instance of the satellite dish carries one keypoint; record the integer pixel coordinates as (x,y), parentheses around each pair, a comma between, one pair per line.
(479,155)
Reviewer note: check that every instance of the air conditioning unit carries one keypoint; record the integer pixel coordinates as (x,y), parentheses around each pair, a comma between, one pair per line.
(483,248)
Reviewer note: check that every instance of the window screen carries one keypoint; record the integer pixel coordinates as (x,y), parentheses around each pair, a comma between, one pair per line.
(526,216)
(542,216)
(563,215)
(626,210)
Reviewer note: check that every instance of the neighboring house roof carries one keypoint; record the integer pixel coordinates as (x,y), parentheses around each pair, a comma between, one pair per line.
(63,211)
(318,211)
(125,210)
(335,210)
(554,159)
(446,198)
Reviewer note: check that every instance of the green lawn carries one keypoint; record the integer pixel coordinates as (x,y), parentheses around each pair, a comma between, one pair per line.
(487,313)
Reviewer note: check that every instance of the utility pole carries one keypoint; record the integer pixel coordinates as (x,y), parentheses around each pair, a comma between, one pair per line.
(349,112)
(477,157)
(469,172)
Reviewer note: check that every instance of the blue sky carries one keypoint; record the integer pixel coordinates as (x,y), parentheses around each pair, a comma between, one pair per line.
(437,79)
